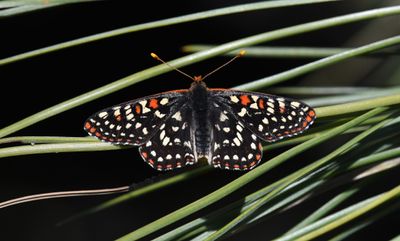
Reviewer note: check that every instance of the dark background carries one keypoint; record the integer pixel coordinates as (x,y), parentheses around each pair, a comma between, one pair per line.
(32,85)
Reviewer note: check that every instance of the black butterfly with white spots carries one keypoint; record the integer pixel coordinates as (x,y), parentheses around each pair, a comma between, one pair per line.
(177,128)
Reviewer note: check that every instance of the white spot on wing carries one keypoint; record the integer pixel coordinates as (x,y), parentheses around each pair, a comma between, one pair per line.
(295,104)
(129,117)
(254,106)
(163,101)
(162,134)
(144,108)
(177,116)
(103,114)
(236,141)
(165,141)
(158,114)
(234,99)
(242,112)
(223,117)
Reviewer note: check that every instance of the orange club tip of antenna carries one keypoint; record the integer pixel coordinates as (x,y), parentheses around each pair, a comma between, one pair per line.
(154,56)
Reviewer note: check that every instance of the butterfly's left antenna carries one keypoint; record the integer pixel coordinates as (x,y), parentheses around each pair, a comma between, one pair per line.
(155,56)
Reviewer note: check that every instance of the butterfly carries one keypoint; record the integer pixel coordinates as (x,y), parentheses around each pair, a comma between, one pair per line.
(177,128)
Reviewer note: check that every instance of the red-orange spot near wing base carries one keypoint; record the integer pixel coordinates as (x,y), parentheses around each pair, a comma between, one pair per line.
(87,125)
(144,154)
(311,113)
(244,99)
(92,130)
(305,123)
(282,110)
(118,118)
(138,109)
(97,134)
(261,104)
(153,103)
(308,119)
(258,157)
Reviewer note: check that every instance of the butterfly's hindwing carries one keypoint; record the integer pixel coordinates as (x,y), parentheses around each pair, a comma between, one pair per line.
(269,117)
(134,122)
(171,146)
(233,146)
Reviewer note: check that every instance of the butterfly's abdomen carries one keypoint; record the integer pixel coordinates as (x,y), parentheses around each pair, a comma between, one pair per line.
(202,130)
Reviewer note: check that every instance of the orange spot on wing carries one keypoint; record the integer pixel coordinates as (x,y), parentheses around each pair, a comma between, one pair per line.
(305,123)
(118,118)
(138,109)
(244,99)
(311,113)
(98,134)
(309,119)
(258,157)
(92,130)
(282,110)
(151,161)
(261,104)
(87,125)
(153,103)
(144,154)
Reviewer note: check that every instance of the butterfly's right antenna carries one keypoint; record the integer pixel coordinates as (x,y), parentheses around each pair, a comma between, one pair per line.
(155,56)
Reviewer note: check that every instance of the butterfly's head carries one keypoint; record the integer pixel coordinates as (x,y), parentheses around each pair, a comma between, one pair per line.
(198,81)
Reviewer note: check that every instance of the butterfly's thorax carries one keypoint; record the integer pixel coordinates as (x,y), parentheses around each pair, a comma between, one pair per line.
(200,117)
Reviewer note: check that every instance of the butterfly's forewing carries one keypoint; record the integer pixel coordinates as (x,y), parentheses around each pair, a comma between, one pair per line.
(134,122)
(233,146)
(171,146)
(269,117)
